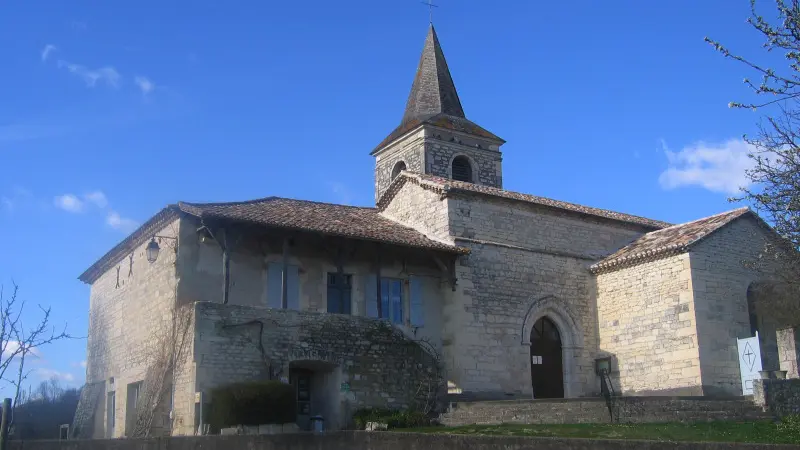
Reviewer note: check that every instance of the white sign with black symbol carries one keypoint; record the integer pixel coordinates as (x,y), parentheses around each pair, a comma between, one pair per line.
(749,362)
(536,359)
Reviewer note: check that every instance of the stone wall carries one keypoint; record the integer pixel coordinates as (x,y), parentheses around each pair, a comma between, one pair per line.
(440,152)
(379,364)
(526,262)
(720,284)
(777,397)
(126,305)
(420,209)
(408,150)
(381,441)
(646,324)
(639,409)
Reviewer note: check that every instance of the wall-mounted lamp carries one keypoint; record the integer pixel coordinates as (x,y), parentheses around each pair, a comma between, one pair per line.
(153,248)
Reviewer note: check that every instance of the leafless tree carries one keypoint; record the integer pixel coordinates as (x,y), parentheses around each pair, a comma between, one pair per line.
(19,342)
(166,353)
(775,176)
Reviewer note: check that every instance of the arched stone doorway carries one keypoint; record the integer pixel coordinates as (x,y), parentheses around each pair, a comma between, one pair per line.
(570,336)
(547,368)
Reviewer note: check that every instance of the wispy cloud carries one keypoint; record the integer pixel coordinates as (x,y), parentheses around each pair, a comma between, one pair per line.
(717,167)
(69,203)
(107,75)
(81,364)
(13,346)
(145,85)
(12,201)
(98,198)
(117,222)
(47,50)
(51,374)
(342,193)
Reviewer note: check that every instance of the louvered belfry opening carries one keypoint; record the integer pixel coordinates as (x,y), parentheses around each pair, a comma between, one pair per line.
(462,169)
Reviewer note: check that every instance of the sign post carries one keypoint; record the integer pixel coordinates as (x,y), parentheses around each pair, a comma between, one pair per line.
(749,362)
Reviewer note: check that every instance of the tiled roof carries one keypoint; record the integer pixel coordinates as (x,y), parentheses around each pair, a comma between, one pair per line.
(446,186)
(668,241)
(327,218)
(445,121)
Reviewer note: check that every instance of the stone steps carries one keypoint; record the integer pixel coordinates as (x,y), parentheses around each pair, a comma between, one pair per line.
(595,410)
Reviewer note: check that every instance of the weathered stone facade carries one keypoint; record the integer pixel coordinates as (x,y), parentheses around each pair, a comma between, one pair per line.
(721,283)
(647,326)
(379,365)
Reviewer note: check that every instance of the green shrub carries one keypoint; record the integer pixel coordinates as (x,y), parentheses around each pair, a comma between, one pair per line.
(393,418)
(252,403)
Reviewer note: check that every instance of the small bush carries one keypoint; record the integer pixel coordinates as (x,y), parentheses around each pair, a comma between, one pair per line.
(790,426)
(252,403)
(393,418)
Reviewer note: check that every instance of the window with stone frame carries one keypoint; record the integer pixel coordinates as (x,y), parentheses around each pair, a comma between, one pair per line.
(461,169)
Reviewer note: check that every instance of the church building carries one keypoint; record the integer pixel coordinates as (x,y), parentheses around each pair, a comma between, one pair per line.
(498,294)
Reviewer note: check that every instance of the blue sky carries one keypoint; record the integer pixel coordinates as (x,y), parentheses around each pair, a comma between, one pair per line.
(111,110)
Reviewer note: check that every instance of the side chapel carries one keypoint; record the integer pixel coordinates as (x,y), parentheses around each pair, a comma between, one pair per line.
(513,295)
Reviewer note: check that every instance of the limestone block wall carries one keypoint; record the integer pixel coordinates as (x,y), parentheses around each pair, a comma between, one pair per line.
(720,282)
(537,228)
(440,152)
(381,365)
(408,150)
(125,305)
(422,210)
(646,323)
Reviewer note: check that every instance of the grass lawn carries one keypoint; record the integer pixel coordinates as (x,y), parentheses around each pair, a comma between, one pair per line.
(787,432)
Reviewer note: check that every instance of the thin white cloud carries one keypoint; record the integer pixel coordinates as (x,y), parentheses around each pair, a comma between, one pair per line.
(50,374)
(91,77)
(18,196)
(13,346)
(145,85)
(69,203)
(117,222)
(97,198)
(81,364)
(718,167)
(343,194)
(47,50)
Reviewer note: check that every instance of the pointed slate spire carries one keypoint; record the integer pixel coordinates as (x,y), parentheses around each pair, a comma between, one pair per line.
(433,91)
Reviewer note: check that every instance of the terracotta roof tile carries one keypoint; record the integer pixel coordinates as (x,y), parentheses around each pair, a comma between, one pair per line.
(447,185)
(668,241)
(327,218)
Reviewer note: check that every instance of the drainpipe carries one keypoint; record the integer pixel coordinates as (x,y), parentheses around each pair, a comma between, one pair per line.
(226,266)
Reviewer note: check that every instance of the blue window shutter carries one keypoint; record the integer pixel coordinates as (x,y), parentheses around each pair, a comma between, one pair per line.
(371,295)
(334,300)
(293,291)
(274,287)
(416,314)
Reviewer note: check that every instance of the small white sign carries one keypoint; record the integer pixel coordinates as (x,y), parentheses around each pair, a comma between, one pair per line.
(197,397)
(749,362)
(536,359)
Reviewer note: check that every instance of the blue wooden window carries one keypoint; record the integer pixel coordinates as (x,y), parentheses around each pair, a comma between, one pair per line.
(275,286)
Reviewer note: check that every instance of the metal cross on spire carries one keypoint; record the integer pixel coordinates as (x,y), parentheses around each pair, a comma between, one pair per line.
(430,7)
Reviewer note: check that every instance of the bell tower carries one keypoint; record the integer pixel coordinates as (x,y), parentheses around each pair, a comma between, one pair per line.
(435,137)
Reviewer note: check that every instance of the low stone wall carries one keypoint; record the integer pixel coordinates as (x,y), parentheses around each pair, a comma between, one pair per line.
(379,441)
(778,397)
(595,410)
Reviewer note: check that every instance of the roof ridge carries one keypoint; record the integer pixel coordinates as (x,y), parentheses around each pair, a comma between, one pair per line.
(449,185)
(742,209)
(272,197)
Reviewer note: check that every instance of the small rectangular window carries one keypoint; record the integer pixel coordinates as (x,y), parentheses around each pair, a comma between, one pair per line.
(392,306)
(339,293)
